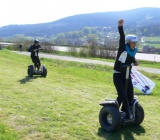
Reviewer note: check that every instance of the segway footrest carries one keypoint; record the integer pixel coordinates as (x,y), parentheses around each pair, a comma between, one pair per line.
(126,121)
(109,102)
(123,114)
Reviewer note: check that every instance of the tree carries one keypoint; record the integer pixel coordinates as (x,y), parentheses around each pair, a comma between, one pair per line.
(87,30)
(92,40)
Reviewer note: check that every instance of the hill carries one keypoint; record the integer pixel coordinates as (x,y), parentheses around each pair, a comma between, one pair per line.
(137,17)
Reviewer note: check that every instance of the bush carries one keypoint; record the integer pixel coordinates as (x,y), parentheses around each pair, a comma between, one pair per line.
(92,51)
(73,51)
(83,52)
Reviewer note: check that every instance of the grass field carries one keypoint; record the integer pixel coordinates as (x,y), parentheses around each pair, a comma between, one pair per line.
(148,64)
(152,38)
(152,41)
(65,104)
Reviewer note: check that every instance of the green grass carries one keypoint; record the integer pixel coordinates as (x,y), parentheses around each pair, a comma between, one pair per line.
(153,41)
(148,64)
(65,104)
(152,38)
(7,133)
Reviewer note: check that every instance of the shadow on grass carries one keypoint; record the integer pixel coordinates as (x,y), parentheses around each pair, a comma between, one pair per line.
(125,133)
(28,79)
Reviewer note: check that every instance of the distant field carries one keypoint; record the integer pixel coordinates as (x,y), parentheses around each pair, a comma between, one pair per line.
(65,104)
(152,41)
(152,38)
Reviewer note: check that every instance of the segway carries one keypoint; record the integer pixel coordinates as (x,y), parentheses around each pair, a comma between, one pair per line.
(33,71)
(112,119)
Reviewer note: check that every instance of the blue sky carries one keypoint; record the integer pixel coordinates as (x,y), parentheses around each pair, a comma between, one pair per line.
(40,11)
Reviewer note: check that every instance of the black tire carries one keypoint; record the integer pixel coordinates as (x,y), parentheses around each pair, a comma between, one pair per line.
(30,71)
(139,114)
(108,124)
(44,74)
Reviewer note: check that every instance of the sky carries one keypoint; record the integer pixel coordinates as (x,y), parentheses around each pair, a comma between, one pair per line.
(41,11)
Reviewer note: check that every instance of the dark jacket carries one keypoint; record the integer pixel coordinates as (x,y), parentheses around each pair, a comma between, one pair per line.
(34,47)
(20,46)
(122,45)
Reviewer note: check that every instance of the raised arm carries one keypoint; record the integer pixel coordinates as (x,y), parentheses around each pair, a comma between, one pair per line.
(122,36)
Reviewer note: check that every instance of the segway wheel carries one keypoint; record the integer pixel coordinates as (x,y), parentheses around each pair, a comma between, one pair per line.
(139,114)
(30,71)
(44,74)
(109,118)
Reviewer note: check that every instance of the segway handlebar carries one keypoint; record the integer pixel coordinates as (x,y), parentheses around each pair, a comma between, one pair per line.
(38,49)
(127,65)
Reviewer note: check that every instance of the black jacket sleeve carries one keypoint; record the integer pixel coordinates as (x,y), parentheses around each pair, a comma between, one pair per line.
(122,39)
(40,48)
(30,49)
(134,60)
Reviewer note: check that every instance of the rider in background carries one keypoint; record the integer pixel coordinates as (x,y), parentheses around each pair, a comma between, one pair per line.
(126,55)
(20,47)
(34,49)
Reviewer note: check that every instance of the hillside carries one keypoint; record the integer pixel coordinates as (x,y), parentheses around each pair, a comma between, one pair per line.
(136,17)
(65,104)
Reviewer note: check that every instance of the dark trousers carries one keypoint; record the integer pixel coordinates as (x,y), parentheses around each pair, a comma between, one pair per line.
(119,82)
(36,61)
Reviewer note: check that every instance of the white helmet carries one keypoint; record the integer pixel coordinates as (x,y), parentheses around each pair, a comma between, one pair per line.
(131,38)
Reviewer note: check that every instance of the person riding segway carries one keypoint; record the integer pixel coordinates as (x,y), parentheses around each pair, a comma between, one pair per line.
(37,69)
(112,116)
